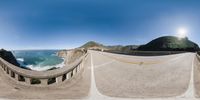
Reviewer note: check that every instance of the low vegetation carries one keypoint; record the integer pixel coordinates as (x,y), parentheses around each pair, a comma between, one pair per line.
(170,43)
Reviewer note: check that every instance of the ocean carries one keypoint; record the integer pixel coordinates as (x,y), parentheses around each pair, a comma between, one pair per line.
(39,60)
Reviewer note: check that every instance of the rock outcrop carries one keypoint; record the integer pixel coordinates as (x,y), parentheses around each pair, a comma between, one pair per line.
(9,57)
(71,55)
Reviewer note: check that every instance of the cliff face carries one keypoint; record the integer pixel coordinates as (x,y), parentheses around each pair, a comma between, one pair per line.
(9,57)
(71,55)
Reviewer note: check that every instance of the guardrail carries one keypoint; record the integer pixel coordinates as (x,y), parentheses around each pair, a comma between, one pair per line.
(198,56)
(42,77)
(146,53)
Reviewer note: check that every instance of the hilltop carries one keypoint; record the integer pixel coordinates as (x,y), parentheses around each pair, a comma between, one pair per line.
(170,43)
(93,45)
(165,43)
(114,48)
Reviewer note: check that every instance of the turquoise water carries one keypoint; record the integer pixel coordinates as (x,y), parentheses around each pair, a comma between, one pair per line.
(39,60)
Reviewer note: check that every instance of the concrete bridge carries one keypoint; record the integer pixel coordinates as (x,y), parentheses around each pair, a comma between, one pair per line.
(106,76)
(43,78)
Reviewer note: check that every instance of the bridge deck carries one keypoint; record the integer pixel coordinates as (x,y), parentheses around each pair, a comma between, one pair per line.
(109,76)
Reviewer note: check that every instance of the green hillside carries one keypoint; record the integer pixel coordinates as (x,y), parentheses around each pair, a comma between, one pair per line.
(91,44)
(170,43)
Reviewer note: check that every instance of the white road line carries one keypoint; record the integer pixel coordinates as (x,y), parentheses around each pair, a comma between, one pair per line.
(190,91)
(94,93)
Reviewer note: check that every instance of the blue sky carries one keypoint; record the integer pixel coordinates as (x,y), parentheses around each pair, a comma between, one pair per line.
(58,24)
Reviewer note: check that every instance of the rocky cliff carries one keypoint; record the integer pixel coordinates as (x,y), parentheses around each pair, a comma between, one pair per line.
(71,55)
(9,57)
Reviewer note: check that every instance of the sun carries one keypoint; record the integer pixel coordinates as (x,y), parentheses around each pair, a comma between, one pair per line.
(182,32)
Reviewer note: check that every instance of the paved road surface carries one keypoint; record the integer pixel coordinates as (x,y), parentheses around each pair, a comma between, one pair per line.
(120,77)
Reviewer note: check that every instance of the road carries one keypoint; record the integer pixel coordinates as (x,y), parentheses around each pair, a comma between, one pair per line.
(110,76)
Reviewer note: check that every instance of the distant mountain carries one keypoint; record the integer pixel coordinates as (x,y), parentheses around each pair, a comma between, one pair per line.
(169,43)
(93,45)
(9,57)
(114,48)
(122,49)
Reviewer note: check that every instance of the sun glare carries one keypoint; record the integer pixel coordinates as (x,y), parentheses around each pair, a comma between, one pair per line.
(182,33)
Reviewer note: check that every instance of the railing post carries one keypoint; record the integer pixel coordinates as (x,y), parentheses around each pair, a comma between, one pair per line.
(74,71)
(59,79)
(4,67)
(81,65)
(9,72)
(69,75)
(44,81)
(78,68)
(16,77)
(27,80)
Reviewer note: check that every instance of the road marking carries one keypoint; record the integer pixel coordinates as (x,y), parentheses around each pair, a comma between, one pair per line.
(94,93)
(190,91)
(107,63)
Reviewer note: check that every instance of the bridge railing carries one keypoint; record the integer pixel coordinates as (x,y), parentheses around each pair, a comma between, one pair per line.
(198,56)
(42,77)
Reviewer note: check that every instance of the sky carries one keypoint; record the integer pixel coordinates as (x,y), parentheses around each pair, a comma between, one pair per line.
(66,24)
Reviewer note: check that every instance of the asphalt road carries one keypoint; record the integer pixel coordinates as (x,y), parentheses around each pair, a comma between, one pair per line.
(110,76)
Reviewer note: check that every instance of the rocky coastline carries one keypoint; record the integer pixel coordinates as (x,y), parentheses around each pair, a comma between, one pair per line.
(71,55)
(9,57)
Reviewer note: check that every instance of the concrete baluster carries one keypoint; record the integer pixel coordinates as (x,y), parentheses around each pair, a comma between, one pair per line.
(10,73)
(16,77)
(59,79)
(7,70)
(69,75)
(78,68)
(74,71)
(27,80)
(44,81)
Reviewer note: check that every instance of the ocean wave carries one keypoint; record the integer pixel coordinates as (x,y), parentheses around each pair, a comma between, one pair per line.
(44,68)
(20,59)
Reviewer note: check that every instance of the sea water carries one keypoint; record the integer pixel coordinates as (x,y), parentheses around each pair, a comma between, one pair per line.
(39,60)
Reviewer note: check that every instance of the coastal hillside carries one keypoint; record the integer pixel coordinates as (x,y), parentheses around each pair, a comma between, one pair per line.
(93,45)
(71,55)
(115,48)
(9,57)
(122,49)
(170,43)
